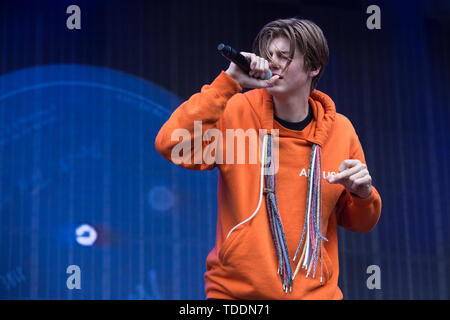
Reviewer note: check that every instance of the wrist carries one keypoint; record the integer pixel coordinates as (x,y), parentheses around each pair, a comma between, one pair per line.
(362,195)
(231,74)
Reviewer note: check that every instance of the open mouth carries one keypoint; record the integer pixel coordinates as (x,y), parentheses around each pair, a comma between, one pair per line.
(279,75)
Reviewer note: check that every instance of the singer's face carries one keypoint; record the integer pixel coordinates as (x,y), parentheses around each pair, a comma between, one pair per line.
(294,77)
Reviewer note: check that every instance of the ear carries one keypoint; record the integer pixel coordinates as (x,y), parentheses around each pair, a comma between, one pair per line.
(314,71)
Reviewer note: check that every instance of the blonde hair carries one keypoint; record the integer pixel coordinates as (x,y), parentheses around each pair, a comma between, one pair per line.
(302,34)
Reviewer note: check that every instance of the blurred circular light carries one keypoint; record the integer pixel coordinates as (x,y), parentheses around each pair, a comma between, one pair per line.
(86,235)
(161,198)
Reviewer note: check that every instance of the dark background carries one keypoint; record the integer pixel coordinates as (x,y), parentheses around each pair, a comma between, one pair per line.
(393,84)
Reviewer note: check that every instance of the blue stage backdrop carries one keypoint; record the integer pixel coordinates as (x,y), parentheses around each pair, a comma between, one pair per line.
(82,186)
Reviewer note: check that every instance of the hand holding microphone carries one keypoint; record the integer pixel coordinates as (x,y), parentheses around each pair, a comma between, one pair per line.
(247,69)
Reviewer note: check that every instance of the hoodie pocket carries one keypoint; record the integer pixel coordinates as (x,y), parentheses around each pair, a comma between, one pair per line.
(236,246)
(247,249)
(231,242)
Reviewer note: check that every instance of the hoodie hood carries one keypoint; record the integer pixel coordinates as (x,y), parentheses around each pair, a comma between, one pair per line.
(324,115)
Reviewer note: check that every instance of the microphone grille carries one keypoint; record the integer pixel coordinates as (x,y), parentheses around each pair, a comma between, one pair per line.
(268,75)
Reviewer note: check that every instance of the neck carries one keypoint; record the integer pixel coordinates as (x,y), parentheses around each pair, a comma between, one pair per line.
(293,107)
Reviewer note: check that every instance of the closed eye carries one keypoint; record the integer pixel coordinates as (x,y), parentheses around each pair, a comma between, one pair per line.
(281,54)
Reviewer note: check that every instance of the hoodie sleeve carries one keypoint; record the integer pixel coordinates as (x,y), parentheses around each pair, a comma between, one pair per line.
(180,140)
(355,213)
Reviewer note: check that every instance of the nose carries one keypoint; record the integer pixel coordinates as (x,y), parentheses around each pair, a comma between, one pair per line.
(274,65)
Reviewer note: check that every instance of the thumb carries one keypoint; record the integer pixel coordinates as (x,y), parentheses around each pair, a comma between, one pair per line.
(250,82)
(270,82)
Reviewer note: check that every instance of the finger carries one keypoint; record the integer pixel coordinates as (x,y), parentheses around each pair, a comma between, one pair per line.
(253,63)
(246,54)
(352,180)
(257,68)
(364,181)
(266,67)
(359,175)
(260,67)
(347,173)
(348,164)
(254,66)
(251,57)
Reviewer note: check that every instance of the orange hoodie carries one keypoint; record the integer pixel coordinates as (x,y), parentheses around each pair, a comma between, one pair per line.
(244,265)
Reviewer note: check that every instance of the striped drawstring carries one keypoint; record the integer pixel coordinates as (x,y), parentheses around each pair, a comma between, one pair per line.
(276,227)
(312,228)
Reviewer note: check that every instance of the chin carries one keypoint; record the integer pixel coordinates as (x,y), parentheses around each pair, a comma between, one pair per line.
(275,90)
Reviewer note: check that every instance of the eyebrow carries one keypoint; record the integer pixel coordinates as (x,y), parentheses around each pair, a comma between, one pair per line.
(281,51)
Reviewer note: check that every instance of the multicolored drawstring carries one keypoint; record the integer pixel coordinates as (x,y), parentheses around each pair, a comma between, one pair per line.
(276,227)
(313,225)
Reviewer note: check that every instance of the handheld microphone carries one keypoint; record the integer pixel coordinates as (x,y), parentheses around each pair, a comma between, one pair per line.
(234,56)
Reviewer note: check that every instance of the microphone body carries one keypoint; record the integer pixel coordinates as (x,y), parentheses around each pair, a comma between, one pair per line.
(234,56)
